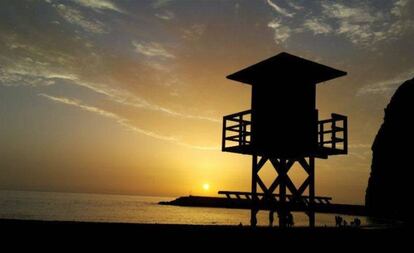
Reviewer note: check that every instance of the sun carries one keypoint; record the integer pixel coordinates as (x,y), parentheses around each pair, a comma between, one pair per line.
(206,186)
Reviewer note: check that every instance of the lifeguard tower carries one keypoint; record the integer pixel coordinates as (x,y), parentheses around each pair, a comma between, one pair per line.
(282,127)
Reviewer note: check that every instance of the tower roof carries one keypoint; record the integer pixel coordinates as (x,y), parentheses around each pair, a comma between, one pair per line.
(285,68)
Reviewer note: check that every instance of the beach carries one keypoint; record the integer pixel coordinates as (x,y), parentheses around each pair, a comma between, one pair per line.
(195,236)
(114,221)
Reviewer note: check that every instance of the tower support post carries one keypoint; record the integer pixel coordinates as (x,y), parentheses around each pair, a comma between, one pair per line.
(275,196)
(311,211)
(255,200)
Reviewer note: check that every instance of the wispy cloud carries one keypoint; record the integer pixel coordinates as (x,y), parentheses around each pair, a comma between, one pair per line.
(365,26)
(99,5)
(398,7)
(317,26)
(356,14)
(122,121)
(160,3)
(386,86)
(165,15)
(295,5)
(152,49)
(280,10)
(281,32)
(194,32)
(22,77)
(29,73)
(357,23)
(359,146)
(75,17)
(34,69)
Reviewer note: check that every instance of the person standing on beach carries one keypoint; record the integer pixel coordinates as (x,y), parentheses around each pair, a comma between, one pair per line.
(271,217)
(290,222)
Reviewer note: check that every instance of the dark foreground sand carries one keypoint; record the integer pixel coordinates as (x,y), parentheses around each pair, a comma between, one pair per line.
(193,237)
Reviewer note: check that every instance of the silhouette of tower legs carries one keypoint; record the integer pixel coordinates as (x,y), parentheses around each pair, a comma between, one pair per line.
(281,170)
(275,196)
(311,177)
(255,200)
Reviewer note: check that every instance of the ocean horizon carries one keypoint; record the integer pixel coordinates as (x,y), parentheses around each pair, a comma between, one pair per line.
(92,207)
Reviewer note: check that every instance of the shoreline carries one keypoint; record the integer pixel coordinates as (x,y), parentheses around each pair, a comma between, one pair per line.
(191,237)
(31,223)
(36,222)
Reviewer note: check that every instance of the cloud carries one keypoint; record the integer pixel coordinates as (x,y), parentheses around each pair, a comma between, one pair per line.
(282,32)
(75,17)
(359,146)
(99,5)
(165,15)
(398,7)
(294,5)
(16,78)
(152,49)
(160,3)
(121,120)
(386,86)
(194,32)
(34,69)
(279,9)
(358,23)
(365,26)
(29,73)
(317,27)
(360,14)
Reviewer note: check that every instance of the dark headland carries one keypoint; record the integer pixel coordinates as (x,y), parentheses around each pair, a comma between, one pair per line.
(389,192)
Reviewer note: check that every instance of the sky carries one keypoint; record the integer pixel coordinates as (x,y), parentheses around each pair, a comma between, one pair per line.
(127,97)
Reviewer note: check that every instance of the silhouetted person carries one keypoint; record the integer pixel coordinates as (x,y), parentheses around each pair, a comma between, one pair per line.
(290,222)
(338,221)
(357,222)
(271,217)
(253,221)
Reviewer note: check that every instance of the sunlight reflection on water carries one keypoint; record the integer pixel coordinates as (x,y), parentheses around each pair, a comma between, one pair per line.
(130,209)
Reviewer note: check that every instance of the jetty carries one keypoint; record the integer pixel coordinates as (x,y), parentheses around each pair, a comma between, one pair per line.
(243,200)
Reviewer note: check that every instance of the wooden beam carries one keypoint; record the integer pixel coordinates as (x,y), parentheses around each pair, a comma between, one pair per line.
(304,185)
(274,185)
(237,114)
(262,185)
(261,163)
(276,164)
(304,164)
(290,164)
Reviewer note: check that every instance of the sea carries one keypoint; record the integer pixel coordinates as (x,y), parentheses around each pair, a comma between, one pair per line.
(53,206)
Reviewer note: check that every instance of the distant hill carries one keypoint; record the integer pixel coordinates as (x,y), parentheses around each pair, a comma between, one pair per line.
(390,187)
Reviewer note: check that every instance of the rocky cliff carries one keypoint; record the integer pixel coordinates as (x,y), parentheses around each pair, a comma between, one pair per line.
(390,186)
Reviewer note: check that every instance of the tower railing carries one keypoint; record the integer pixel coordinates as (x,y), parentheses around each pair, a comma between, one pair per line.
(236,130)
(332,134)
